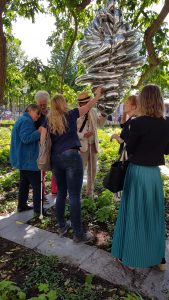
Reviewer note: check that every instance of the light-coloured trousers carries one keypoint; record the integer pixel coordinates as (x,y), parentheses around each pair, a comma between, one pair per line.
(89,159)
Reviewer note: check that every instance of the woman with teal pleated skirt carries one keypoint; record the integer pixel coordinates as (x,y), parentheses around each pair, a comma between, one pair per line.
(139,235)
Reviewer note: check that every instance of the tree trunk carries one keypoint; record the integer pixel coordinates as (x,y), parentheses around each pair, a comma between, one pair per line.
(83,5)
(2,54)
(69,51)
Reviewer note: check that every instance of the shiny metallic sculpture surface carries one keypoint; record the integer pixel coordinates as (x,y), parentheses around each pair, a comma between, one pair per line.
(110,51)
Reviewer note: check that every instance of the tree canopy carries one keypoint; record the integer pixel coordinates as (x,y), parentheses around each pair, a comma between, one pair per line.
(71,17)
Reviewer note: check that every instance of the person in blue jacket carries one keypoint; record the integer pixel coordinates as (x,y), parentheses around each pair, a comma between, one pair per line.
(24,152)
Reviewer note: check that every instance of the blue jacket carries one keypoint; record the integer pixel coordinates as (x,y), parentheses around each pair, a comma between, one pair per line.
(24,148)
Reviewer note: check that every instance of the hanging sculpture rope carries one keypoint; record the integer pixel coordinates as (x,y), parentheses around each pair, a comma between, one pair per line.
(110,52)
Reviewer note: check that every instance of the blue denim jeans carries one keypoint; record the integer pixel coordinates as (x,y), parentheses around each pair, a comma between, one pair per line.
(68,171)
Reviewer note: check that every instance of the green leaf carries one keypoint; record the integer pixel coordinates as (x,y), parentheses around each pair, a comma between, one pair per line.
(43,287)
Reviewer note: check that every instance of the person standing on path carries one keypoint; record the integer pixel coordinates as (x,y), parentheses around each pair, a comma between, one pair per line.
(24,152)
(42,98)
(66,161)
(139,236)
(87,132)
(129,111)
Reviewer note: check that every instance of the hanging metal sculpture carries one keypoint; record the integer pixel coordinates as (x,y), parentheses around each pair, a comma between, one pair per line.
(110,51)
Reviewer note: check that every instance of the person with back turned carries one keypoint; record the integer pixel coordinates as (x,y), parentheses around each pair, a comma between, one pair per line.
(139,236)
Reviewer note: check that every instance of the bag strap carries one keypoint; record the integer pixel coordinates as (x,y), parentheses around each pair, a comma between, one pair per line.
(84,123)
(123,155)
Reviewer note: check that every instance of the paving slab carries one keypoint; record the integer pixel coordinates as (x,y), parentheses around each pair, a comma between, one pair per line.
(5,222)
(157,283)
(15,217)
(139,276)
(24,234)
(102,264)
(25,216)
(47,243)
(66,249)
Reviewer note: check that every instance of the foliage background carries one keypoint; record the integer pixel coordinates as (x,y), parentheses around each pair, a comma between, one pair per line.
(71,17)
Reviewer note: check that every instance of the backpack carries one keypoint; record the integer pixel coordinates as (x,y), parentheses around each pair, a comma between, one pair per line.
(44,158)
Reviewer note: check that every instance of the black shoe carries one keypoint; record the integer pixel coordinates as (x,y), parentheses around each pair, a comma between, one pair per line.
(84,238)
(25,208)
(45,213)
(63,230)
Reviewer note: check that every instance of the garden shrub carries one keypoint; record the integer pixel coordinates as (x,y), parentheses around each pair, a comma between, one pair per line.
(9,180)
(9,291)
(5,136)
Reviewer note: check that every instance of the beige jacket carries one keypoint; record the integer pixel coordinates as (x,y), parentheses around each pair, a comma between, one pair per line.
(96,121)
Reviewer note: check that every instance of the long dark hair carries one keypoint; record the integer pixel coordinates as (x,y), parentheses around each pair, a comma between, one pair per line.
(32,107)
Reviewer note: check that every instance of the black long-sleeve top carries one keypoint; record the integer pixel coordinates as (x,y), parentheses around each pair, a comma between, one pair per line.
(41,121)
(125,133)
(148,141)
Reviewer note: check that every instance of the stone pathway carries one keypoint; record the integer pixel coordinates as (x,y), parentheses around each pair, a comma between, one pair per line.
(150,282)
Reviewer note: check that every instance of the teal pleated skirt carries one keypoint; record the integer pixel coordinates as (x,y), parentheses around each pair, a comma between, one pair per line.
(139,236)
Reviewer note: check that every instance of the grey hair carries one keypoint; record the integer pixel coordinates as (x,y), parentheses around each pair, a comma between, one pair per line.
(42,94)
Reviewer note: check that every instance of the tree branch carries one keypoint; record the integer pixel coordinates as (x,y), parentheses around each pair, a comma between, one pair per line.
(154,60)
(144,76)
(69,50)
(83,5)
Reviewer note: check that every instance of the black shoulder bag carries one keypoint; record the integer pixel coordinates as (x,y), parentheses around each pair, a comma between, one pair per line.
(114,180)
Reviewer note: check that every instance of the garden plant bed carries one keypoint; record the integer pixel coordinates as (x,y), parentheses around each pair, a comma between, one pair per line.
(33,272)
(28,269)
(98,215)
(102,238)
(102,231)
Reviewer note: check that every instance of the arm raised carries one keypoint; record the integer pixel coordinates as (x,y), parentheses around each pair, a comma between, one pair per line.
(84,109)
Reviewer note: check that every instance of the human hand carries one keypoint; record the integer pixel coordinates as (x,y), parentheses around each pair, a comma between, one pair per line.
(98,92)
(114,136)
(88,134)
(42,130)
(117,138)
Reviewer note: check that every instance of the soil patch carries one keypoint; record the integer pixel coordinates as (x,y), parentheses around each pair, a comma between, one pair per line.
(29,269)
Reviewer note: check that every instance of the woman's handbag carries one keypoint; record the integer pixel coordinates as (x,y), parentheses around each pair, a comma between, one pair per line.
(114,180)
(44,158)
